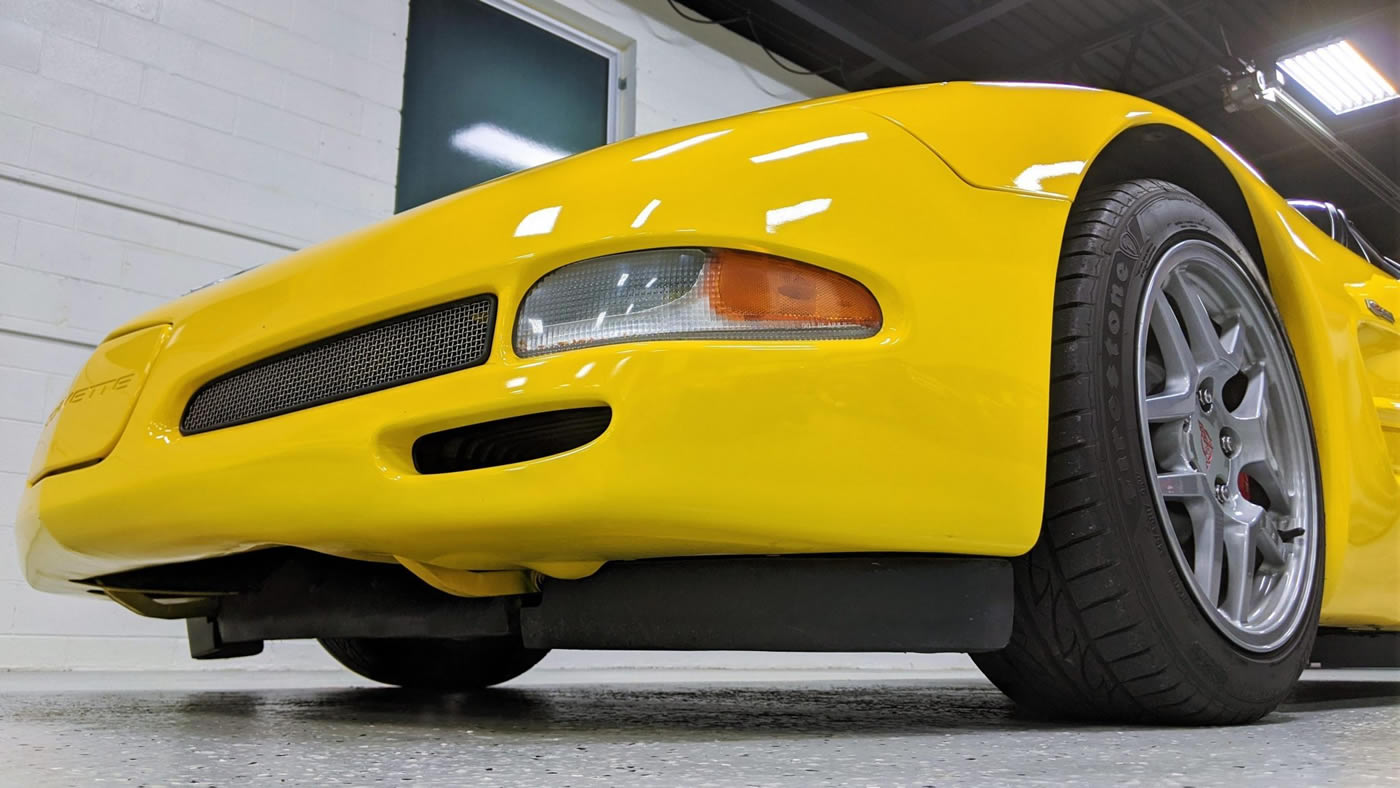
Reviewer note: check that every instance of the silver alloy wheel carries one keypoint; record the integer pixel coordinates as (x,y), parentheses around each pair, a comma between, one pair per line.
(1227,440)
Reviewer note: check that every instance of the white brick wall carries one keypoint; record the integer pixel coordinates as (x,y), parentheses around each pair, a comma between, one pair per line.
(148,146)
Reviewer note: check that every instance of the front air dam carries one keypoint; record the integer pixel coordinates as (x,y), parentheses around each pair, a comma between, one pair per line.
(899,602)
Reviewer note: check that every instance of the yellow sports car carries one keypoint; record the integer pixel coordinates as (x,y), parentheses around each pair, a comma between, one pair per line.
(1041,373)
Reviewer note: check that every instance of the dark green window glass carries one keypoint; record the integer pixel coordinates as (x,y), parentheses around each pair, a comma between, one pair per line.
(486,94)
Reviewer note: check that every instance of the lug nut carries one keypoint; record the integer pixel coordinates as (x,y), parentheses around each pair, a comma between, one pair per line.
(1205,399)
(1227,443)
(1222,492)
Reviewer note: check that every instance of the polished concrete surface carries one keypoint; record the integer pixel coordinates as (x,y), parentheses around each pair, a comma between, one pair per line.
(663,728)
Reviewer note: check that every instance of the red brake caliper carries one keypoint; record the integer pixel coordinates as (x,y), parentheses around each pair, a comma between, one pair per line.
(1244,487)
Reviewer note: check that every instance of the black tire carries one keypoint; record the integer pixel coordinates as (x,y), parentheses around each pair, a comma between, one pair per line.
(1105,625)
(434,664)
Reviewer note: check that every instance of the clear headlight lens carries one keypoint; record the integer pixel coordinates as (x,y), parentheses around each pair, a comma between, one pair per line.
(690,294)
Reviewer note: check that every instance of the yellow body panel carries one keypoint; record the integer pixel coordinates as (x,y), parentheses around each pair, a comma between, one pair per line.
(1345,351)
(87,423)
(927,437)
(715,446)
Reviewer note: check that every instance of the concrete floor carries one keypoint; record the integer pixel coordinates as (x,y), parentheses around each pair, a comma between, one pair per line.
(664,728)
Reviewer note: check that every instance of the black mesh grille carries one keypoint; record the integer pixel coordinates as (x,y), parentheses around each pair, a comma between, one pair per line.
(389,353)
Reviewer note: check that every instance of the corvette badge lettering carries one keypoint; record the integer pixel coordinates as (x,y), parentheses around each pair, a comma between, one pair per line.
(98,389)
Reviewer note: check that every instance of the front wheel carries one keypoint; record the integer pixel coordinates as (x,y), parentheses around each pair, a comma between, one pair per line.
(1178,573)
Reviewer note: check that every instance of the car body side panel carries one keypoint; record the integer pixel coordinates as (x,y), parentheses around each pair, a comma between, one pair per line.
(1016,137)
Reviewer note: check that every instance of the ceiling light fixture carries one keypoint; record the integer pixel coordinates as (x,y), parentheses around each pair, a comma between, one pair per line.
(1338,76)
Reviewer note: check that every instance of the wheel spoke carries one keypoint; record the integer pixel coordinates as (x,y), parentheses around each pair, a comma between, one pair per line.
(1207,345)
(1264,471)
(1169,406)
(1230,340)
(1239,559)
(1256,456)
(1207,539)
(1251,425)
(1271,547)
(1252,404)
(1180,363)
(1185,485)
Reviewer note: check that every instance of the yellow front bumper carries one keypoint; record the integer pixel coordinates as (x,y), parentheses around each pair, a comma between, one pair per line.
(928,437)
(711,450)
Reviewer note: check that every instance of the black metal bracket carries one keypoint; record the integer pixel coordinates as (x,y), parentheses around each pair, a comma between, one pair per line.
(206,642)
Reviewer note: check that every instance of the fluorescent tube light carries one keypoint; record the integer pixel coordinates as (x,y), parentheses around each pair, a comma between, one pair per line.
(1338,76)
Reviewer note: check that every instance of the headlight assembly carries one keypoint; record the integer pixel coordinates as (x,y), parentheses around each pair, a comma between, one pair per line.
(690,294)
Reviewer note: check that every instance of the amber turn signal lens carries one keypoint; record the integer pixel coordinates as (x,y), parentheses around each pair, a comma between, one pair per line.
(757,287)
(690,293)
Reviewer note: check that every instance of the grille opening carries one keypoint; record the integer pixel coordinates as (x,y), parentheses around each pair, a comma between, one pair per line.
(508,441)
(434,341)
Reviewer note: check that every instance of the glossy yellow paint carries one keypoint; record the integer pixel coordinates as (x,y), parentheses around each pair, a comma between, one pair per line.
(87,423)
(715,446)
(1343,349)
(466,582)
(928,437)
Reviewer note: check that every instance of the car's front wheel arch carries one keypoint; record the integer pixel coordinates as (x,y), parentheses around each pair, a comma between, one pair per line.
(1161,152)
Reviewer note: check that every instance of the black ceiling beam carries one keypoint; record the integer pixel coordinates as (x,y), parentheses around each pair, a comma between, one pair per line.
(1214,47)
(1168,25)
(970,22)
(1361,131)
(861,32)
(1381,8)
(1206,48)
(1126,71)
(1099,39)
(1180,83)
